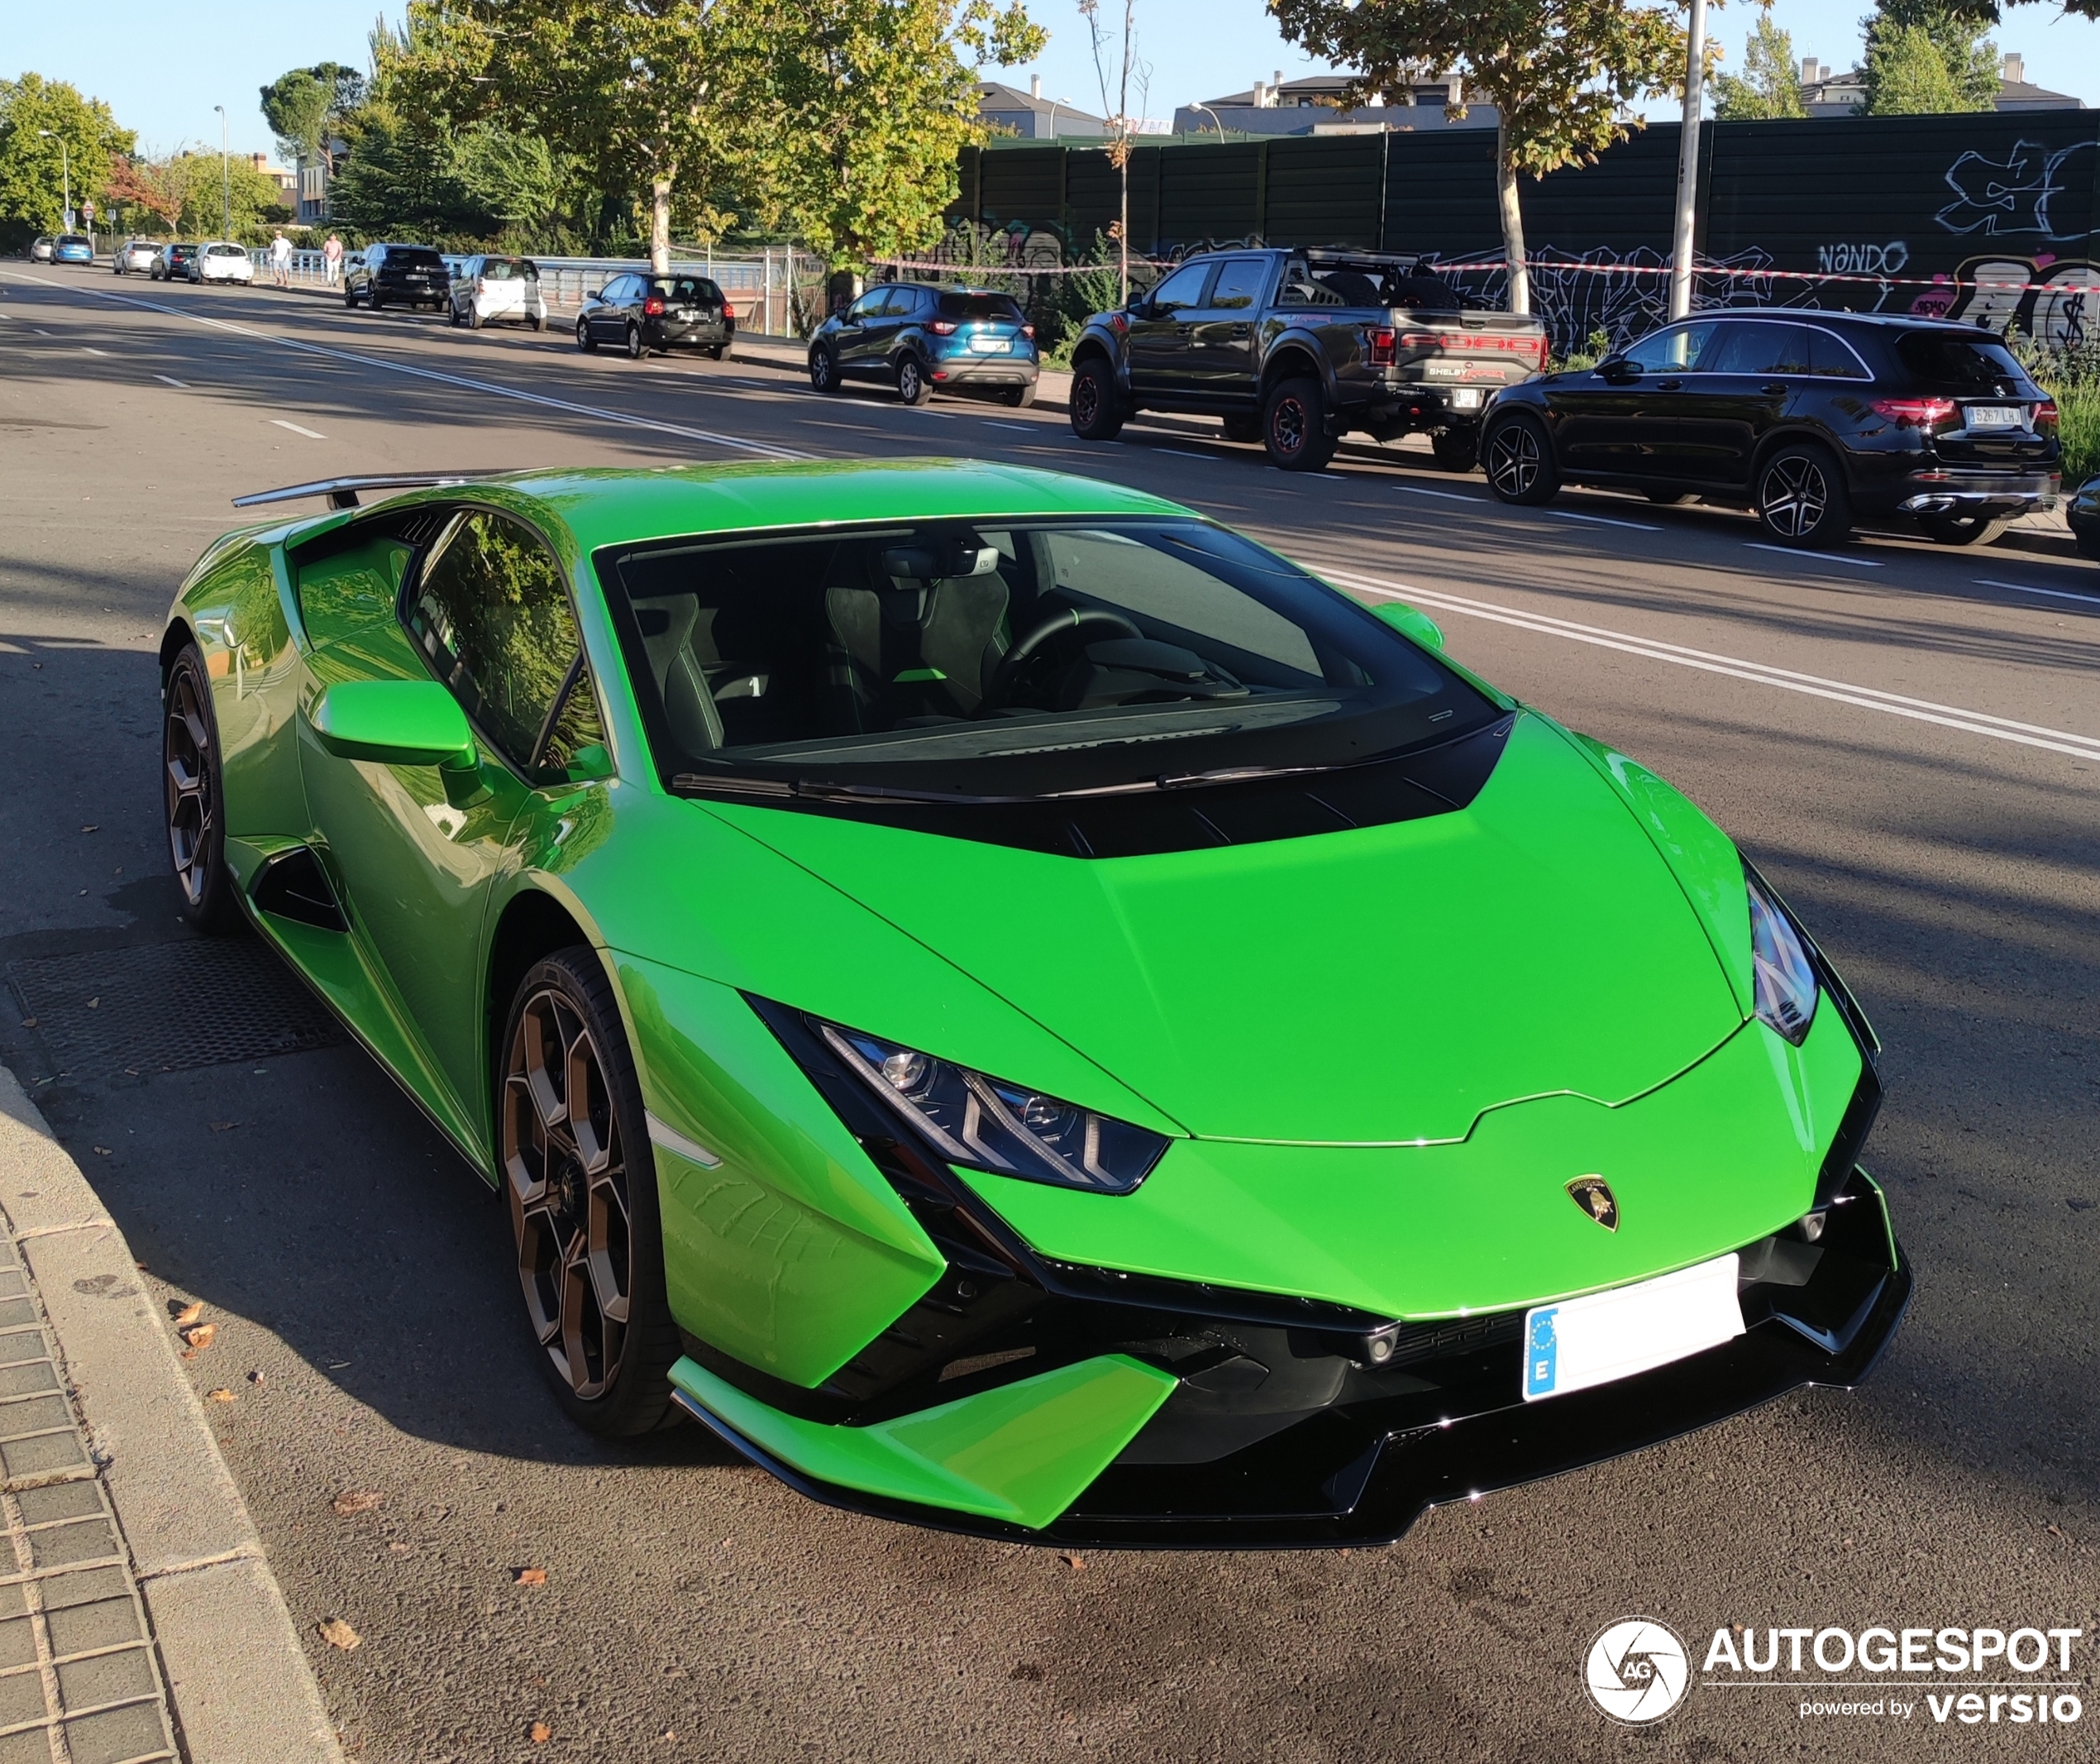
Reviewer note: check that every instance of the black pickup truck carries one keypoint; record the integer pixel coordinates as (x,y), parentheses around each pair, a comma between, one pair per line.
(1294,348)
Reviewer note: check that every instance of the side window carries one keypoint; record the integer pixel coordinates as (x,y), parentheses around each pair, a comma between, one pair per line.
(905,302)
(1241,284)
(1181,290)
(1829,358)
(492,614)
(1681,349)
(1760,348)
(867,306)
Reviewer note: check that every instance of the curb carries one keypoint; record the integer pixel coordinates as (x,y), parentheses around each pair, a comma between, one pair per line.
(238,1684)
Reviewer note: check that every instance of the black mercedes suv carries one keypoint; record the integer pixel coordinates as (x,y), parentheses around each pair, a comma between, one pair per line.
(398,275)
(1814,420)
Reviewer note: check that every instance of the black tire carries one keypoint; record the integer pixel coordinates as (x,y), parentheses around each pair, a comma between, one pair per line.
(1963,529)
(349,298)
(585,341)
(193,791)
(537,320)
(1519,457)
(913,386)
(824,370)
(1801,498)
(1018,398)
(637,347)
(1293,426)
(1096,408)
(1243,427)
(373,300)
(472,317)
(578,1178)
(717,352)
(1456,449)
(1668,499)
(456,320)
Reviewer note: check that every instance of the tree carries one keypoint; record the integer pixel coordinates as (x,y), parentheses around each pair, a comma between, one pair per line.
(1770,82)
(1559,73)
(307,107)
(1924,59)
(852,113)
(157,186)
(33,170)
(1122,127)
(399,180)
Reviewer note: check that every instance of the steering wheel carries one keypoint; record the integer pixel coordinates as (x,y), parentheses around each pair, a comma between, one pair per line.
(1072,618)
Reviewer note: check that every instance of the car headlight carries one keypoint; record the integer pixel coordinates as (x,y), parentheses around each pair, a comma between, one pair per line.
(1783,977)
(987,1123)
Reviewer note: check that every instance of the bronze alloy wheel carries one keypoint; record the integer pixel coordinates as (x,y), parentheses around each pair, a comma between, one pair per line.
(189,772)
(580,1175)
(567,1175)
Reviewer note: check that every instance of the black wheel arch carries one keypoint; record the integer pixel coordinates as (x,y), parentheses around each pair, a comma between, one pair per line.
(1295,358)
(1800,434)
(532,926)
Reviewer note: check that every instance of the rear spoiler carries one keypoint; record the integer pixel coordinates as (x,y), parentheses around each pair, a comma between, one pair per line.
(342,492)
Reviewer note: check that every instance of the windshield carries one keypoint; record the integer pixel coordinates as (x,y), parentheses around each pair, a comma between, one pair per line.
(1010,659)
(224,251)
(1960,363)
(73,238)
(684,287)
(413,257)
(509,269)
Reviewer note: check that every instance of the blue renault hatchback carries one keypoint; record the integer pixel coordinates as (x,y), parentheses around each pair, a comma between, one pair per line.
(922,340)
(73,247)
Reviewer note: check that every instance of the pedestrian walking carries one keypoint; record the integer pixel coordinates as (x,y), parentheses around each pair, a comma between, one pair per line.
(332,259)
(280,260)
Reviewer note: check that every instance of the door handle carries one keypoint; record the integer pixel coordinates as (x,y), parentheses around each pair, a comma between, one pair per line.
(1669,385)
(1184,331)
(1773,388)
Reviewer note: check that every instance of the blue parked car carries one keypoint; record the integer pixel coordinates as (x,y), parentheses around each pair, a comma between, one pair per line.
(922,340)
(73,247)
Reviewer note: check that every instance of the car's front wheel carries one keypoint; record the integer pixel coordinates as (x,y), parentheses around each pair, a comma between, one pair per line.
(585,341)
(1294,427)
(1519,456)
(193,788)
(913,386)
(1801,498)
(637,346)
(580,1178)
(1096,412)
(824,370)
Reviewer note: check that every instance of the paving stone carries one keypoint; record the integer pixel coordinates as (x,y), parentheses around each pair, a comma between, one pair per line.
(21,1699)
(106,1678)
(17,1643)
(109,1622)
(28,1415)
(120,1736)
(32,1747)
(61,1500)
(24,1458)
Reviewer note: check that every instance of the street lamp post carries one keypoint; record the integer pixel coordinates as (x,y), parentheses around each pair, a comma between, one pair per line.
(226,179)
(1212,116)
(1687,167)
(65,171)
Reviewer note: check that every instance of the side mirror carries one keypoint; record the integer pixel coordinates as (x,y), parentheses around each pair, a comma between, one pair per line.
(596,293)
(1619,371)
(395,723)
(1409,624)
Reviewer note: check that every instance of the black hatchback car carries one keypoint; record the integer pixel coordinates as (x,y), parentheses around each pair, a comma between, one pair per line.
(921,339)
(1812,419)
(398,275)
(643,313)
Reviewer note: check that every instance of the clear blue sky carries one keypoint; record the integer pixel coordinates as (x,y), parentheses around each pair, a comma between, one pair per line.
(163,66)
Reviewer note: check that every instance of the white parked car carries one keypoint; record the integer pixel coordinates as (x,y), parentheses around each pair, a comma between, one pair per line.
(487,288)
(136,254)
(219,261)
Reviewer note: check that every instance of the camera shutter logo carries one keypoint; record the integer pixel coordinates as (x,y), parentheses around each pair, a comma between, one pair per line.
(1637,1671)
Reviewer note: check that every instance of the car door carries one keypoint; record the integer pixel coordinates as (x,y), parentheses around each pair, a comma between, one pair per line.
(1616,420)
(886,329)
(854,325)
(1227,369)
(609,318)
(1754,369)
(1162,333)
(416,847)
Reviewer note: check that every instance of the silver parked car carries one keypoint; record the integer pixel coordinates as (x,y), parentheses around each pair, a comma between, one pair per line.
(487,288)
(135,255)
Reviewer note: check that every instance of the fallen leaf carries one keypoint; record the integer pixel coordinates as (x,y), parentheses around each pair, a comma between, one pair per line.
(224,1126)
(186,1314)
(529,1576)
(219,1395)
(103,1152)
(199,1338)
(29,1022)
(92,826)
(401,1549)
(541,1733)
(338,1634)
(1077,1564)
(93,1004)
(357,1500)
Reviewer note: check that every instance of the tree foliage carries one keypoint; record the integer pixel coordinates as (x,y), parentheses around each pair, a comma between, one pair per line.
(308,105)
(1924,59)
(190,194)
(1770,84)
(33,170)
(1561,74)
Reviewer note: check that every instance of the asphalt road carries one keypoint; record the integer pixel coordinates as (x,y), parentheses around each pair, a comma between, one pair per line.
(1907,738)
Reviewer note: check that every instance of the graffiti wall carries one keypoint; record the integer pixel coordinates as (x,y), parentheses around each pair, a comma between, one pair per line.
(1987,218)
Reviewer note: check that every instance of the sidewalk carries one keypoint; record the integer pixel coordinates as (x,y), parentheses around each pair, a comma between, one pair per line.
(139,1619)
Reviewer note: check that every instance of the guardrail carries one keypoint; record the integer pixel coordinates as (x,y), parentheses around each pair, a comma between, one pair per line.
(776,293)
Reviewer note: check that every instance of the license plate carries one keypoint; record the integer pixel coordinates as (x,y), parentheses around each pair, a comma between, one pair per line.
(1580,1342)
(988,346)
(1997,416)
(1466,398)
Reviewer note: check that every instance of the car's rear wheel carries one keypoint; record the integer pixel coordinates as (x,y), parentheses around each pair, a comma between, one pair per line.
(1294,427)
(913,386)
(349,298)
(585,341)
(824,370)
(192,786)
(1963,529)
(717,351)
(1801,498)
(1019,397)
(579,1179)
(1456,449)
(1519,456)
(1096,411)
(1243,427)
(375,299)
(635,346)
(537,320)
(474,318)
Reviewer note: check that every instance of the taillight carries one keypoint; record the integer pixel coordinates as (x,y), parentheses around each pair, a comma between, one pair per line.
(2045,414)
(942,328)
(728,310)
(653,306)
(1927,413)
(1382,346)
(480,284)
(1029,331)
(1539,353)
(1421,340)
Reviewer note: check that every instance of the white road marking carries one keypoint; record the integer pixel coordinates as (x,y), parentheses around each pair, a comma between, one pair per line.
(1759,673)
(1180,453)
(1789,550)
(167,381)
(1599,520)
(2053,594)
(1416,489)
(1026,428)
(46,333)
(620,418)
(86,349)
(311,434)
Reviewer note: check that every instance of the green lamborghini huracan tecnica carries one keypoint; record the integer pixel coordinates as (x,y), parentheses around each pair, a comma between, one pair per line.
(1021,1009)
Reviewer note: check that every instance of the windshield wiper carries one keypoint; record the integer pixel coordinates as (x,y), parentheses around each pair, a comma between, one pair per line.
(821,790)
